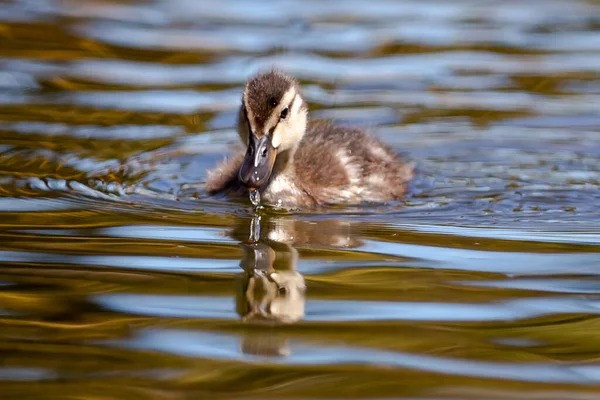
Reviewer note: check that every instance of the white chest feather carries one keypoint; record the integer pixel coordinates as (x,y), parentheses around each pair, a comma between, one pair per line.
(282,190)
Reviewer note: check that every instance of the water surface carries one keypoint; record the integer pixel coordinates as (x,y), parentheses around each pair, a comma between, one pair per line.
(120,278)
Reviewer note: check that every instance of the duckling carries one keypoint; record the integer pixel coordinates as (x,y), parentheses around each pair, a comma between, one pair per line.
(295,164)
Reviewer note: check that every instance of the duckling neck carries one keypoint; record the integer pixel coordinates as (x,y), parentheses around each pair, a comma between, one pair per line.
(284,164)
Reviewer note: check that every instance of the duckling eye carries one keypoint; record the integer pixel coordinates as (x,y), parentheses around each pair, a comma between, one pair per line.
(263,152)
(284,113)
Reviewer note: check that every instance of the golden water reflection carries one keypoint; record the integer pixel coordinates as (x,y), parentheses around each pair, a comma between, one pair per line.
(121,279)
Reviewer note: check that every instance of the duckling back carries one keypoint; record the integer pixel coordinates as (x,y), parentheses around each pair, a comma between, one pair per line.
(336,164)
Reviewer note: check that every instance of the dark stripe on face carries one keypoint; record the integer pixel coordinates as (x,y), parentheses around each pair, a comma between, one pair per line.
(292,103)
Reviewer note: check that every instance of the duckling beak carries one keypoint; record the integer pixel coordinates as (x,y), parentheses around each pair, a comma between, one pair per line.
(258,162)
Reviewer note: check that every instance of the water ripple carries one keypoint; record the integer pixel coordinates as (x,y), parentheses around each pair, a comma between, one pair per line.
(207,345)
(121,278)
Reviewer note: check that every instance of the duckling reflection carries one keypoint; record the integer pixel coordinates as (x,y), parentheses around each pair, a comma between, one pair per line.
(271,289)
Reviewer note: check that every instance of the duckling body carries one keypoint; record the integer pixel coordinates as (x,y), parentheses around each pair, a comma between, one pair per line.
(311,164)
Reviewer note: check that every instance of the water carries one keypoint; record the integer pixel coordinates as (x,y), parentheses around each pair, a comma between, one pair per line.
(120,278)
(254,197)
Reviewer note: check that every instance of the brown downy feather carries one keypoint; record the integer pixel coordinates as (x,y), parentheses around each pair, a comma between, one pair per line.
(319,163)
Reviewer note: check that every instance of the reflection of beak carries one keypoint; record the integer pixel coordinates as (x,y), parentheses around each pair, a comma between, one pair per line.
(258,162)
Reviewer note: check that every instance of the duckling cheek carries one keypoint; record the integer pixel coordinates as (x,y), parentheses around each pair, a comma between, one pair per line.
(287,134)
(277,136)
(283,136)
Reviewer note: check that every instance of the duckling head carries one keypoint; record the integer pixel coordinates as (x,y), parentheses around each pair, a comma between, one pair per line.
(271,121)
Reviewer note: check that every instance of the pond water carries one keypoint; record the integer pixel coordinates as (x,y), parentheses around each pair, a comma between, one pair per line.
(120,278)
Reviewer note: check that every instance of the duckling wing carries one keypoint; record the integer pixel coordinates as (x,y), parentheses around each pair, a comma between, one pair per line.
(339,164)
(223,178)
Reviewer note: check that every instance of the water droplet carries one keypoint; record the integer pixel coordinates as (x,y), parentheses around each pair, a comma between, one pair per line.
(254,197)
